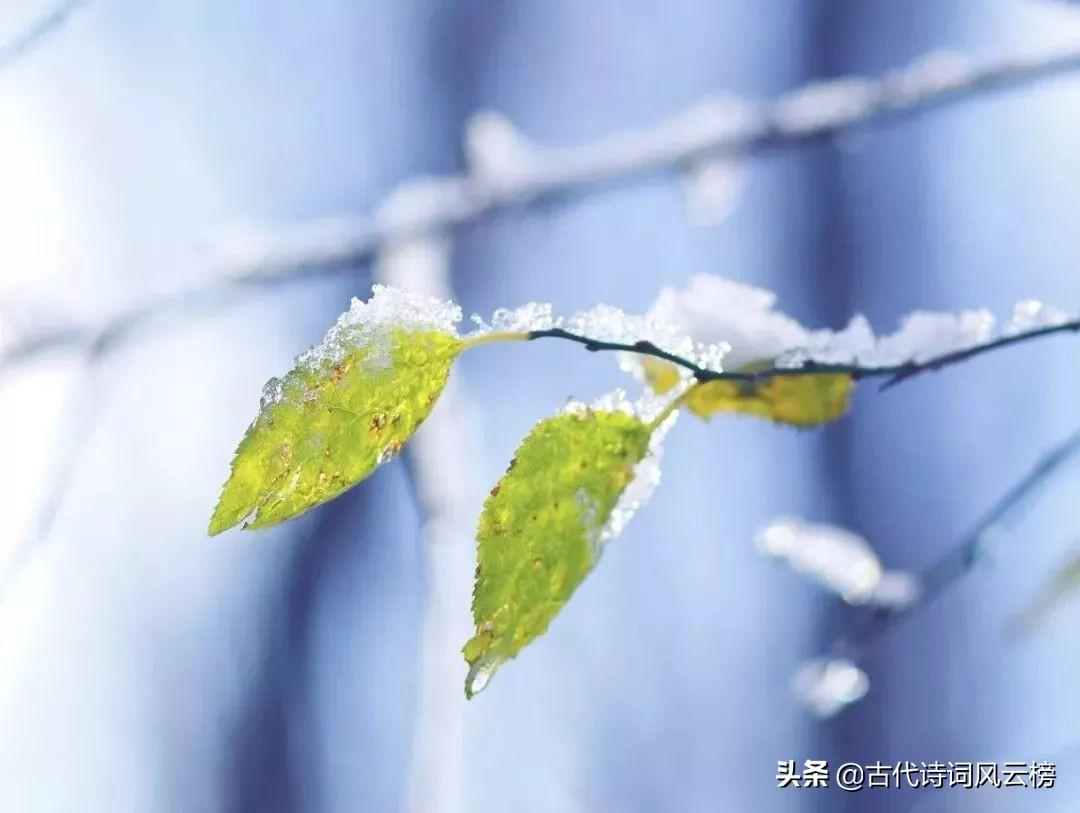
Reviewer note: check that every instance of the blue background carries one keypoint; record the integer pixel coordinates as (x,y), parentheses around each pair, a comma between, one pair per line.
(146,667)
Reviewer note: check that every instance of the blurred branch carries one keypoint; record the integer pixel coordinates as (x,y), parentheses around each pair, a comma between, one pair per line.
(99,341)
(81,408)
(959,561)
(895,372)
(711,130)
(445,483)
(37,32)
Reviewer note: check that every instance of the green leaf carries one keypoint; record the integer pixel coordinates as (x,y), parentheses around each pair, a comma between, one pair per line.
(331,423)
(799,400)
(542,529)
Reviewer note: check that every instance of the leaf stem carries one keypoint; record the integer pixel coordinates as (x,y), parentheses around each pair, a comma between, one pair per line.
(470,342)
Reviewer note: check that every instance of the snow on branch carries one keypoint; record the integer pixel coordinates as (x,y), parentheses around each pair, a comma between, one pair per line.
(507,172)
(806,362)
(827,685)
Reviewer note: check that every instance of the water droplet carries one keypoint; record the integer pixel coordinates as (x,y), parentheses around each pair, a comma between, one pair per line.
(480,674)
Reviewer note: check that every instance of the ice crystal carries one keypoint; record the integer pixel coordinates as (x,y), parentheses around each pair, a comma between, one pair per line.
(371,322)
(646,476)
(523,319)
(640,489)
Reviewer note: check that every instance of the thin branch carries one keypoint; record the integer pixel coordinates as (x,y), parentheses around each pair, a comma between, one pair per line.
(37,32)
(960,560)
(895,372)
(706,131)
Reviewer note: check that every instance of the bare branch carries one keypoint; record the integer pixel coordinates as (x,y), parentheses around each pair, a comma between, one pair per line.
(37,32)
(958,561)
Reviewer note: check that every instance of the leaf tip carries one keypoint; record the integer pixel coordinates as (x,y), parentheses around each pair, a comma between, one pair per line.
(480,673)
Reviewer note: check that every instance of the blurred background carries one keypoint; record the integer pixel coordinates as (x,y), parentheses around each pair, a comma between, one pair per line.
(145,667)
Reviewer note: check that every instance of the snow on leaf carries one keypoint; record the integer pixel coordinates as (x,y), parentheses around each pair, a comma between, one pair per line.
(347,406)
(573,483)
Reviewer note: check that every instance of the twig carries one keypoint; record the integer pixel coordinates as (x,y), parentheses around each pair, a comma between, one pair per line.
(700,133)
(958,561)
(37,32)
(895,372)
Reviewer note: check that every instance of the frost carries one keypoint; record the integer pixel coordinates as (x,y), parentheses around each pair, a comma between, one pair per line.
(646,477)
(828,686)
(641,487)
(1031,314)
(371,323)
(272,392)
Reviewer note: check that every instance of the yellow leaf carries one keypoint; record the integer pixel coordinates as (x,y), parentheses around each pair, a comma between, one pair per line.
(660,375)
(542,528)
(799,400)
(327,428)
